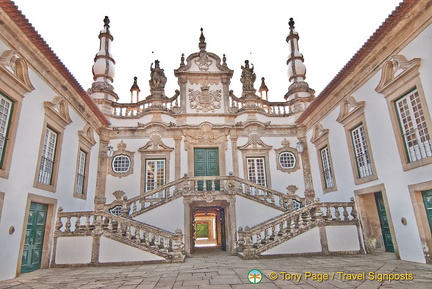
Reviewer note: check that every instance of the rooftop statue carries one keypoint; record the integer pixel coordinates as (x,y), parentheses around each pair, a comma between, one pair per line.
(248,76)
(157,77)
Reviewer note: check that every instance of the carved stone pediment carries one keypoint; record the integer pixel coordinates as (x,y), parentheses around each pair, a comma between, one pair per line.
(319,133)
(395,68)
(349,108)
(86,136)
(205,135)
(58,110)
(255,142)
(155,144)
(15,71)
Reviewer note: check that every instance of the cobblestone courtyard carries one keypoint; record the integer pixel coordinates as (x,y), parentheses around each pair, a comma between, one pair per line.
(218,270)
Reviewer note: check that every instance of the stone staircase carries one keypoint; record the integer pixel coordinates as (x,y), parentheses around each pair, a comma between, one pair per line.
(116,220)
(254,241)
(206,188)
(128,231)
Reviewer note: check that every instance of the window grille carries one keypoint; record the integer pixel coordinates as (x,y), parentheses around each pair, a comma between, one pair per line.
(121,164)
(79,187)
(413,126)
(361,152)
(5,114)
(327,168)
(256,171)
(47,159)
(287,160)
(155,174)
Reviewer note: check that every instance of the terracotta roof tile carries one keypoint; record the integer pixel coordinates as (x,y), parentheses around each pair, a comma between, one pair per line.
(21,21)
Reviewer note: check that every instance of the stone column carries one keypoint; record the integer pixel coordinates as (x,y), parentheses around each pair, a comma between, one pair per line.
(307,175)
(234,155)
(177,157)
(100,198)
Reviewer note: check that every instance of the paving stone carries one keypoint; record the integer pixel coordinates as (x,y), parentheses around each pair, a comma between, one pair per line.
(218,270)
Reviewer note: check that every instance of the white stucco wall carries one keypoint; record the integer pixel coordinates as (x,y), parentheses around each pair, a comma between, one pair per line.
(250,213)
(169,216)
(113,251)
(74,250)
(342,238)
(385,153)
(307,242)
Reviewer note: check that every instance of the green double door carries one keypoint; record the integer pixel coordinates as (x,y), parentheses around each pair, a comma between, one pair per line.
(427,199)
(206,163)
(385,228)
(32,253)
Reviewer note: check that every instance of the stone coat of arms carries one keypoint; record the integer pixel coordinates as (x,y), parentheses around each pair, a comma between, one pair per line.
(205,100)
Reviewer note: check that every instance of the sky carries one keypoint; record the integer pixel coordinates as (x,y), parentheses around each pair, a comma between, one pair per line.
(330,31)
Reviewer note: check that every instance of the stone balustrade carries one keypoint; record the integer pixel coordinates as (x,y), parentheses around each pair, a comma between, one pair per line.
(207,187)
(264,236)
(143,236)
(136,110)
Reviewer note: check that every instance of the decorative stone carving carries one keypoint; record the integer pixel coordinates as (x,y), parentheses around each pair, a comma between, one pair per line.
(157,77)
(203,62)
(205,100)
(350,108)
(293,159)
(205,134)
(255,142)
(395,68)
(248,77)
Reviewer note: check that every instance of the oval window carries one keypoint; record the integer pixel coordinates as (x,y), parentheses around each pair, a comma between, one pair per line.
(120,164)
(287,160)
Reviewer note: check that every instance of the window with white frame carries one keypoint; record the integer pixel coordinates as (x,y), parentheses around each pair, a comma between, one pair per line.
(361,151)
(121,164)
(155,174)
(46,168)
(6,106)
(81,170)
(256,171)
(327,167)
(412,122)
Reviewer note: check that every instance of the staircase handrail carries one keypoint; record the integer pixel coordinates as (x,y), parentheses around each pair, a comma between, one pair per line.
(190,185)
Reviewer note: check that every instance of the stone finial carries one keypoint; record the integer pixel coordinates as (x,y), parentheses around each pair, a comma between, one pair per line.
(291,23)
(182,59)
(224,60)
(135,86)
(106,23)
(202,44)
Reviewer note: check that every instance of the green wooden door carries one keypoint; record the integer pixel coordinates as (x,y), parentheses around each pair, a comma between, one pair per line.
(32,254)
(385,228)
(207,164)
(427,199)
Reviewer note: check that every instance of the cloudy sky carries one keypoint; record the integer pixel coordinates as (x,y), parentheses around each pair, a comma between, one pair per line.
(330,34)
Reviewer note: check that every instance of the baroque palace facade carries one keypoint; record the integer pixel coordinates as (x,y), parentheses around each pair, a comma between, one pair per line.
(348,171)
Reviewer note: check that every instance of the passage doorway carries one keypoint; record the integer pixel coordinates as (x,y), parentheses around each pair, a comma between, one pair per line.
(209,227)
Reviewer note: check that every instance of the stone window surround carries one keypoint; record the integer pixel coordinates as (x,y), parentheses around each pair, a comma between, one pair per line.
(251,150)
(56,118)
(320,139)
(86,142)
(351,119)
(14,83)
(287,148)
(121,150)
(399,76)
(154,149)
